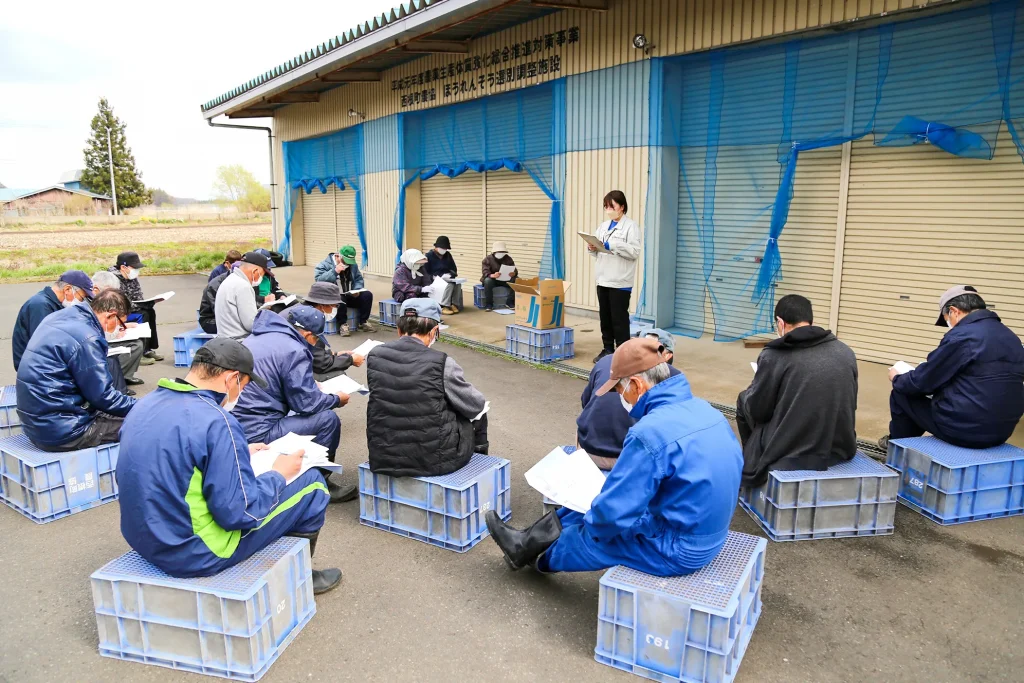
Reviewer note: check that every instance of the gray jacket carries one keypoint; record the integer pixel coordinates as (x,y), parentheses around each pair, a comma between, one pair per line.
(236,306)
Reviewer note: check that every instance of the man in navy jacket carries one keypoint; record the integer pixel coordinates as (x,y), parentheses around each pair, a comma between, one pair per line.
(73,287)
(970,391)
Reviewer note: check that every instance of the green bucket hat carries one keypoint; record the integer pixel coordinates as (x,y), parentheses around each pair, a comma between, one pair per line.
(348,254)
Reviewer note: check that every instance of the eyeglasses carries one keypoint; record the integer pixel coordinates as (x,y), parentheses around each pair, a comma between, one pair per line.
(121,326)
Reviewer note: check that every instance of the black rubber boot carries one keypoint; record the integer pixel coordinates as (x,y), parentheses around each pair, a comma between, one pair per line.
(522,548)
(482,448)
(340,493)
(323,579)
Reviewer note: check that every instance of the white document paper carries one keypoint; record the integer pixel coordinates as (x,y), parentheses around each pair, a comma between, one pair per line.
(442,327)
(354,291)
(454,280)
(156,299)
(343,384)
(753,366)
(504,311)
(487,409)
(593,241)
(436,289)
(367,346)
(505,273)
(902,367)
(117,351)
(287,301)
(569,479)
(140,331)
(315,455)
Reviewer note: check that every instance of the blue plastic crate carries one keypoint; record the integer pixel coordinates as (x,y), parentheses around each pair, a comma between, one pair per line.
(389,312)
(501,294)
(234,624)
(952,485)
(47,486)
(693,628)
(10,421)
(854,498)
(446,511)
(186,345)
(331,326)
(539,346)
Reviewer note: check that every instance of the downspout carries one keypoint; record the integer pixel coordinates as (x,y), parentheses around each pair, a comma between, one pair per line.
(273,185)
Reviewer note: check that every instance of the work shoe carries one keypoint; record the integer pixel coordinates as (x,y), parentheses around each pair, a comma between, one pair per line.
(339,492)
(604,352)
(129,392)
(367,327)
(883,443)
(145,360)
(344,331)
(447,311)
(323,579)
(522,548)
(134,381)
(456,310)
(482,448)
(488,308)
(152,354)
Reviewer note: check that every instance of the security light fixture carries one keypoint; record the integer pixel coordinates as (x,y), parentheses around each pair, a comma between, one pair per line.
(353,113)
(640,42)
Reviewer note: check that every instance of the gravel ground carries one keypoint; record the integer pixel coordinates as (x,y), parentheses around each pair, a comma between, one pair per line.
(142,234)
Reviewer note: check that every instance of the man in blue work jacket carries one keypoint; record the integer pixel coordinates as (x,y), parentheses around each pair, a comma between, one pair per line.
(665,507)
(72,288)
(190,502)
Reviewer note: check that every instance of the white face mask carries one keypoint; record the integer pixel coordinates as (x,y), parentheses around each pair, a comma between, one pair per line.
(626,405)
(229,405)
(133,274)
(500,254)
(416,269)
(332,315)
(68,303)
(434,337)
(441,251)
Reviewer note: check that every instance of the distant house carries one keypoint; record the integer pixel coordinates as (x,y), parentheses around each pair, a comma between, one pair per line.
(56,200)
(72,180)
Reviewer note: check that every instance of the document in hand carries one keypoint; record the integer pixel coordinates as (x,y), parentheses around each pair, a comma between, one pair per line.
(436,289)
(140,331)
(902,367)
(117,351)
(594,242)
(505,273)
(285,301)
(315,455)
(366,347)
(454,280)
(569,479)
(343,384)
(753,366)
(156,299)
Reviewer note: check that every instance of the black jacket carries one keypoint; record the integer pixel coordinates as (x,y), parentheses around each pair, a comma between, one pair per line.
(799,413)
(326,362)
(207,306)
(438,265)
(411,429)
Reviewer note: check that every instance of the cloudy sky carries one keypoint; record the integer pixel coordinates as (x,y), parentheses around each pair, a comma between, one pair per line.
(155,63)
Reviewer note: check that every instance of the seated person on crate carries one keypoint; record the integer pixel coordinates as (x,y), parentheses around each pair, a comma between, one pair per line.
(229,259)
(665,507)
(491,268)
(190,502)
(282,349)
(423,418)
(234,297)
(341,269)
(66,398)
(410,277)
(970,390)
(602,425)
(127,270)
(122,366)
(799,411)
(441,263)
(325,297)
(268,290)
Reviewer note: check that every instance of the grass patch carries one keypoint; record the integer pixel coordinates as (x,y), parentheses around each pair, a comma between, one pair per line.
(169,258)
(225,219)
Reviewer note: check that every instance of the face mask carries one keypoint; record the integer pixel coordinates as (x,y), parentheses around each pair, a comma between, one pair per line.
(133,274)
(500,255)
(433,338)
(332,315)
(68,303)
(230,405)
(442,252)
(416,270)
(626,405)
(779,329)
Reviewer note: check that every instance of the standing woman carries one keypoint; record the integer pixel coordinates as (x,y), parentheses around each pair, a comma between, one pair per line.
(615,271)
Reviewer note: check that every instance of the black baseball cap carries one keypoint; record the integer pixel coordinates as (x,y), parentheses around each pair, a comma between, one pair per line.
(231,355)
(256,259)
(130,259)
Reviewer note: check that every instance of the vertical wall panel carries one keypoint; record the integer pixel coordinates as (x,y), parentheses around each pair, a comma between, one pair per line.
(380,200)
(518,213)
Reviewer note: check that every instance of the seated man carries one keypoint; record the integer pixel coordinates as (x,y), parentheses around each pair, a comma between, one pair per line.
(441,263)
(123,366)
(235,299)
(325,297)
(409,279)
(423,418)
(269,290)
(127,271)
(73,287)
(799,411)
(665,507)
(341,269)
(190,503)
(224,268)
(602,425)
(491,268)
(282,346)
(66,398)
(970,391)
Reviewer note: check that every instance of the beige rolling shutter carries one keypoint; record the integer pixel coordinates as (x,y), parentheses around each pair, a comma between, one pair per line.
(518,214)
(345,208)
(454,207)
(318,224)
(919,221)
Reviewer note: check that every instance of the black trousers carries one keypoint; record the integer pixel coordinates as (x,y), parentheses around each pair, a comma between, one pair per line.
(148,314)
(480,432)
(363,301)
(103,430)
(614,307)
(489,285)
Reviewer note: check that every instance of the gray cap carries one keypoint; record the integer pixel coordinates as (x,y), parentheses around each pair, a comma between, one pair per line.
(306,318)
(421,308)
(949,295)
(325,293)
(664,337)
(231,355)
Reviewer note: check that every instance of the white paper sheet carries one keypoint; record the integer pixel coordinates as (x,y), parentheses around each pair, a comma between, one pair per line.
(569,479)
(487,409)
(156,299)
(504,311)
(592,240)
(902,367)
(367,346)
(753,366)
(315,455)
(505,273)
(436,289)
(117,351)
(140,331)
(287,301)
(343,383)
(454,280)
(355,291)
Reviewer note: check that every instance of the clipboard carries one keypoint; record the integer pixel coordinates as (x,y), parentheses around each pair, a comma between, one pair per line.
(594,242)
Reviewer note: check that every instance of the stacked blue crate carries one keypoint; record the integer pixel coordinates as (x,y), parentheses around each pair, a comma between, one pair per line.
(331,326)
(501,295)
(10,421)
(854,498)
(186,345)
(693,628)
(446,511)
(47,486)
(389,312)
(234,624)
(539,346)
(952,485)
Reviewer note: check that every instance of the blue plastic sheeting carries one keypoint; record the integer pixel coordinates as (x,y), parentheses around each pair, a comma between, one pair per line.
(739,119)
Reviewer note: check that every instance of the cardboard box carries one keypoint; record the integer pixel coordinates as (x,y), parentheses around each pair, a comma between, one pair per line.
(540,304)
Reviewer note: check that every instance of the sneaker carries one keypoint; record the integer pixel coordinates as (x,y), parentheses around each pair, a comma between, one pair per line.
(152,354)
(146,360)
(447,311)
(488,309)
(344,331)
(367,327)
(883,443)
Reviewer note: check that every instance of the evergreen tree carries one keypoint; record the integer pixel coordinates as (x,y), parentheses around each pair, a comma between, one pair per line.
(96,176)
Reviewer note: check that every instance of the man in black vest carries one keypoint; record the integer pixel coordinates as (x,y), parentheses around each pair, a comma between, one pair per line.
(423,418)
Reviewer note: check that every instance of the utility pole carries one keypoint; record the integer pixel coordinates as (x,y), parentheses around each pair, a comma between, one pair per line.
(110,156)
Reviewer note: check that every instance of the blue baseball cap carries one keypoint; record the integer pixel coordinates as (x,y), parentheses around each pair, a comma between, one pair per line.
(421,308)
(664,338)
(270,261)
(80,280)
(306,318)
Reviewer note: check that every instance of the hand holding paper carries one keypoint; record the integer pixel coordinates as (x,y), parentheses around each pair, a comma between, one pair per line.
(343,384)
(570,479)
(365,348)
(505,273)
(902,367)
(285,452)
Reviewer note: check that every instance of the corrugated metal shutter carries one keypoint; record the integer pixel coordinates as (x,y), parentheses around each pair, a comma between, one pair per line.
(318,224)
(518,214)
(454,207)
(919,221)
(345,211)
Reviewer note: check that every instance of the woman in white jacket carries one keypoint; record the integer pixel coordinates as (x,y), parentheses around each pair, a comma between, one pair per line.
(615,271)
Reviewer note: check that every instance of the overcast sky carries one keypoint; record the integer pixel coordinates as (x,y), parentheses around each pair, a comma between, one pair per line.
(155,63)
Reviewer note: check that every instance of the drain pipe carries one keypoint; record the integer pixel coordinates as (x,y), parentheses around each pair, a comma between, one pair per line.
(273,185)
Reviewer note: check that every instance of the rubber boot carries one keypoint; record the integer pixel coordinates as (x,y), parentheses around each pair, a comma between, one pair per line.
(482,448)
(323,579)
(522,548)
(339,492)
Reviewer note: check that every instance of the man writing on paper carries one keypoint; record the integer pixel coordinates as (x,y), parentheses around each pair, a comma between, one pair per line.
(190,503)
(665,507)
(423,418)
(441,263)
(282,349)
(326,298)
(491,269)
(235,299)
(970,391)
(799,411)
(268,290)
(127,270)
(602,425)
(341,269)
